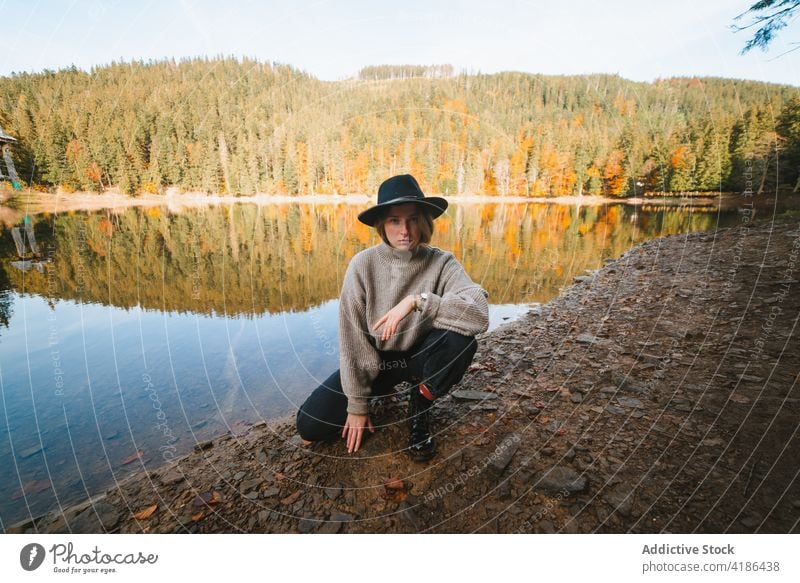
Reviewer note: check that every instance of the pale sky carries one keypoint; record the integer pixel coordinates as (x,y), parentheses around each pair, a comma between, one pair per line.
(637,39)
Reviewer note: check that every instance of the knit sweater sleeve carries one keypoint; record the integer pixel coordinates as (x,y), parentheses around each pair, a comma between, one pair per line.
(358,359)
(458,304)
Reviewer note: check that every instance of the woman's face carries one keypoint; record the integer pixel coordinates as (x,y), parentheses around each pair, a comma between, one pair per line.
(402,226)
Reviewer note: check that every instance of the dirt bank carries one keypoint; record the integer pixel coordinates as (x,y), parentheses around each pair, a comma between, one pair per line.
(658,394)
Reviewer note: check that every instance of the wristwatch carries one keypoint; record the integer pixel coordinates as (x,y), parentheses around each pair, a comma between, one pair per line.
(420,301)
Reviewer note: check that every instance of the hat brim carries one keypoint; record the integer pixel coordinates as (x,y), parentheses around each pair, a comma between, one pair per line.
(435,206)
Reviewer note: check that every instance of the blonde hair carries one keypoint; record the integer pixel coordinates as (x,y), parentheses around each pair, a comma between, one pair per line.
(425,225)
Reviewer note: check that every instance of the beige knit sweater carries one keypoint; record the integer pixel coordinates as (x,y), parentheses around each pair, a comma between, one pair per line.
(377,279)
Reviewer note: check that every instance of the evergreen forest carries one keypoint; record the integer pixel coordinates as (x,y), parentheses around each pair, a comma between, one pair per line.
(241,127)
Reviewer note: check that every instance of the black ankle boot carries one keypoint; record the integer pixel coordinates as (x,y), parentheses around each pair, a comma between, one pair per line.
(420,444)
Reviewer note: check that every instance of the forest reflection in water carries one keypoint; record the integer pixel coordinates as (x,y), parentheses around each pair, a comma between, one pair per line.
(141,332)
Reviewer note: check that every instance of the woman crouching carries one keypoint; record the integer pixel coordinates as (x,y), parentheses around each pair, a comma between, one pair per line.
(408,312)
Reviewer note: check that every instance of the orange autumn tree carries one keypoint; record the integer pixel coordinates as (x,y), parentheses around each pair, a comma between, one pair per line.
(519,162)
(614,178)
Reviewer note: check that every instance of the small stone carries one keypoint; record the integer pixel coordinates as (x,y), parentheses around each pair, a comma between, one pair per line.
(172,477)
(576,398)
(712,442)
(558,480)
(239,475)
(544,527)
(503,492)
(751,521)
(251,484)
(502,454)
(271,492)
(485,407)
(569,455)
(651,359)
(587,339)
(615,410)
(307,525)
(251,495)
(471,395)
(629,402)
(620,500)
(751,378)
(531,410)
(333,492)
(342,517)
(99,518)
(291,498)
(330,527)
(203,445)
(265,517)
(554,426)
(548,451)
(31,451)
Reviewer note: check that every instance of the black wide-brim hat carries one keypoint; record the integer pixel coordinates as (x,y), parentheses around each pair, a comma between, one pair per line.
(401,190)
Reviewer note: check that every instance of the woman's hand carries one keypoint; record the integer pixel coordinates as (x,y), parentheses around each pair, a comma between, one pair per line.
(393,317)
(354,429)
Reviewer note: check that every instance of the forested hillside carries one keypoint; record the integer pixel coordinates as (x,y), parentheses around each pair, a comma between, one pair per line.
(242,127)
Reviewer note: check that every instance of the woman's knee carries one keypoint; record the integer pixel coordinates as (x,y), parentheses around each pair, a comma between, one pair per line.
(305,426)
(312,429)
(460,345)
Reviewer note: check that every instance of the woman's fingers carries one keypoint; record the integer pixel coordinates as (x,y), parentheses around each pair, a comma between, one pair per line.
(381,321)
(353,437)
(355,440)
(353,431)
(389,321)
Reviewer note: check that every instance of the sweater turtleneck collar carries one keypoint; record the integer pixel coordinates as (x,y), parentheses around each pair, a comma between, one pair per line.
(392,255)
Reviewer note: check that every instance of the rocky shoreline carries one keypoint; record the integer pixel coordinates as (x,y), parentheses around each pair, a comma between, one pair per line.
(657,394)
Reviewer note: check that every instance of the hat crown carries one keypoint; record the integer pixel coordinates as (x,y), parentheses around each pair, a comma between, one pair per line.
(402,186)
(400,190)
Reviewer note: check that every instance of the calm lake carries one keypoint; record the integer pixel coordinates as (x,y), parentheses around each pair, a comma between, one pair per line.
(142,332)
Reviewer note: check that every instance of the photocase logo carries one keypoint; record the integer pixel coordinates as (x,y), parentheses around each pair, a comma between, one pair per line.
(31,556)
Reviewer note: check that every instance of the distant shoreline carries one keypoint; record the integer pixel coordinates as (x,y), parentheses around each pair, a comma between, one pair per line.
(44,202)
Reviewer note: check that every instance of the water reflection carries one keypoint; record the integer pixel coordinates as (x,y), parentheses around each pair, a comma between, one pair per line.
(146,331)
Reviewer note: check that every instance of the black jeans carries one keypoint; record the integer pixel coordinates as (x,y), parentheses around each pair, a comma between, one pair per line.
(439,361)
